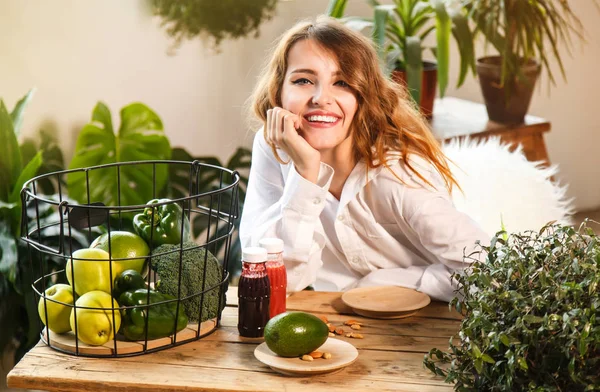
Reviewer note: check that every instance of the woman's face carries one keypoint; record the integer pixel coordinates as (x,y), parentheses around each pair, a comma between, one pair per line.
(314,89)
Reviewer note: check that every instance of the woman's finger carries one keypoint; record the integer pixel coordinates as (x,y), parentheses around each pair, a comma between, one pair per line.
(278,134)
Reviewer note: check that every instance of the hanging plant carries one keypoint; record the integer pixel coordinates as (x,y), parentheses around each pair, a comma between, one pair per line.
(212,20)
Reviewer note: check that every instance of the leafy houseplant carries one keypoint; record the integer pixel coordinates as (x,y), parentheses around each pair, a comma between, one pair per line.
(527,35)
(215,20)
(531,315)
(399,31)
(140,137)
(18,164)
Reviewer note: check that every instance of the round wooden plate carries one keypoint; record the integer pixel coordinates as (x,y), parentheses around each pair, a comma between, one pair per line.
(68,342)
(342,355)
(386,302)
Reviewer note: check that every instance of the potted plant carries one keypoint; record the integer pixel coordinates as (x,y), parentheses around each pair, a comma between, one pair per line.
(400,30)
(531,315)
(527,35)
(212,20)
(19,163)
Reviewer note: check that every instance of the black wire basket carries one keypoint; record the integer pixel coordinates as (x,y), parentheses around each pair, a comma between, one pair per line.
(123,280)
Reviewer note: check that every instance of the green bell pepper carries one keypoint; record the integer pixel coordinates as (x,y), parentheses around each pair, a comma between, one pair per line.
(161,317)
(128,280)
(164,227)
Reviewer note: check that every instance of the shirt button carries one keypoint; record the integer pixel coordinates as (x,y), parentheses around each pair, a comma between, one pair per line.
(340,218)
(356,260)
(317,201)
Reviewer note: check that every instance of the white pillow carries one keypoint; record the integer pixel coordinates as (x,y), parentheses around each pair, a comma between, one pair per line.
(503,186)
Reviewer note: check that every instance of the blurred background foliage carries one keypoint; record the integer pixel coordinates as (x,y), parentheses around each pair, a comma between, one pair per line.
(212,20)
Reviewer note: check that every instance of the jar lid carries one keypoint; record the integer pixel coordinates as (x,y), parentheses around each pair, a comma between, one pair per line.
(254,254)
(272,245)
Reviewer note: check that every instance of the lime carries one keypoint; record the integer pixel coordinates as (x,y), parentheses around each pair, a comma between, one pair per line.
(293,334)
(125,245)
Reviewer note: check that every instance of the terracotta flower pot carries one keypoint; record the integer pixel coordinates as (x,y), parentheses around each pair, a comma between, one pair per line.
(428,86)
(500,108)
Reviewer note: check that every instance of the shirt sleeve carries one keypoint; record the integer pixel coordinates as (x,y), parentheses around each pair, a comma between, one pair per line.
(287,208)
(446,233)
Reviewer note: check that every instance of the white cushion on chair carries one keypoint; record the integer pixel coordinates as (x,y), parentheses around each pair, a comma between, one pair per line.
(503,186)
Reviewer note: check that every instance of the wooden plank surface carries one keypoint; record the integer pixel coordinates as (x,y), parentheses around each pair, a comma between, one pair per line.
(331,302)
(390,358)
(211,365)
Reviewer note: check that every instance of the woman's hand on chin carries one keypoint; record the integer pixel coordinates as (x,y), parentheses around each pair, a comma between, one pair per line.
(282,131)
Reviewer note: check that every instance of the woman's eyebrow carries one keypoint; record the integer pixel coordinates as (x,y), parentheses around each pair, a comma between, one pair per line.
(312,72)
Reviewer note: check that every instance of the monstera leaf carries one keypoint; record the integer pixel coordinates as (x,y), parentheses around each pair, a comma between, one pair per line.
(140,137)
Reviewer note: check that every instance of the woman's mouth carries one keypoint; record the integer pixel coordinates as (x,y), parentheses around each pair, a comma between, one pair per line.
(321,121)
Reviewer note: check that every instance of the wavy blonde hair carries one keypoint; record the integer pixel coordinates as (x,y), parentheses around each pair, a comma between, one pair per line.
(385,120)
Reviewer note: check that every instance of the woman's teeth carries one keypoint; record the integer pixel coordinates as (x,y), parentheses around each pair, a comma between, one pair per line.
(329,119)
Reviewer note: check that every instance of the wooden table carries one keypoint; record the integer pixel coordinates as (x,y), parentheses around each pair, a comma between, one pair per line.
(457,118)
(390,358)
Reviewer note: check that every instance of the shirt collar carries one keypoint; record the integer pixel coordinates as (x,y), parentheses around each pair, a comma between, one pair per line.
(359,177)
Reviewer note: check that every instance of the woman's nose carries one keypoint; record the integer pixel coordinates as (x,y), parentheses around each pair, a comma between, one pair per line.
(323,96)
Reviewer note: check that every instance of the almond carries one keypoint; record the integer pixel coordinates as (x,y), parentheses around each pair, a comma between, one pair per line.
(331,327)
(327,356)
(351,322)
(324,318)
(331,334)
(339,331)
(307,358)
(355,326)
(316,354)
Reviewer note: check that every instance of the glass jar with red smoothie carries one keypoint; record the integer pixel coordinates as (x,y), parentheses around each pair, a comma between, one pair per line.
(253,293)
(277,274)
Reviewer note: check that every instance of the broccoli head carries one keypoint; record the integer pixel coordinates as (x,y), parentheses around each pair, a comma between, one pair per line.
(192,268)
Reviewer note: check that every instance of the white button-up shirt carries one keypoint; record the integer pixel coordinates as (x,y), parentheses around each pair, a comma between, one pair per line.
(380,232)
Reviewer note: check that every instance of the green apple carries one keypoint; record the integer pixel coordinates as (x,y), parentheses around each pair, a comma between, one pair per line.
(58,313)
(91,268)
(128,246)
(95,326)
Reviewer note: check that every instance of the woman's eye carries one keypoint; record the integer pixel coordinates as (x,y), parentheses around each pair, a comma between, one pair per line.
(341,83)
(301,81)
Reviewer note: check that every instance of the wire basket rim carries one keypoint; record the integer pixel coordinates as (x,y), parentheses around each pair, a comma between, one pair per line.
(25,190)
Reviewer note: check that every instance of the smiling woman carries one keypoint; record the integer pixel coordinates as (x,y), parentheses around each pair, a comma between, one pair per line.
(347,173)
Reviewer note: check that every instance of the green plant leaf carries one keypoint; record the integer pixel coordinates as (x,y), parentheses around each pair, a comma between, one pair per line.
(7,212)
(414,67)
(357,24)
(478,365)
(28,150)
(9,256)
(379,30)
(140,138)
(52,160)
(464,39)
(17,113)
(523,363)
(29,171)
(102,115)
(531,319)
(421,14)
(443,28)
(10,159)
(336,8)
